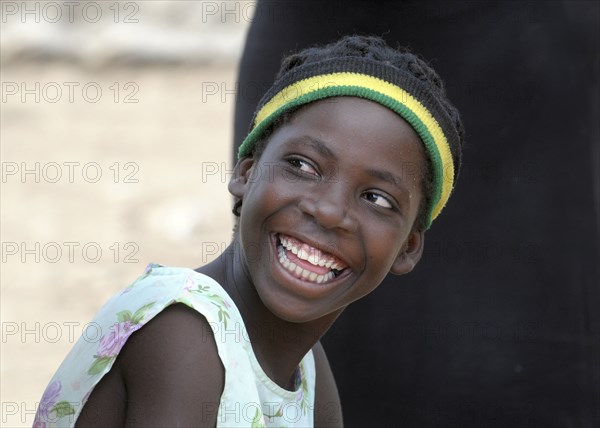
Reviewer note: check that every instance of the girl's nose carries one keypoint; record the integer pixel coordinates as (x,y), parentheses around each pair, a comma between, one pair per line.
(329,209)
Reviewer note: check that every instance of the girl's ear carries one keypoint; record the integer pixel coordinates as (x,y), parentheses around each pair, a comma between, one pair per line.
(410,255)
(241,177)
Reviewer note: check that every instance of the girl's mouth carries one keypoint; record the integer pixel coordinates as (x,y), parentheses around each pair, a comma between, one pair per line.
(306,262)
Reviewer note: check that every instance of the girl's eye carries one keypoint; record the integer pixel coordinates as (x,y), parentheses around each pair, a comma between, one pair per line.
(303,166)
(377,199)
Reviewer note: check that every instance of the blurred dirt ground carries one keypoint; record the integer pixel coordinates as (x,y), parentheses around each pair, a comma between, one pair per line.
(169,203)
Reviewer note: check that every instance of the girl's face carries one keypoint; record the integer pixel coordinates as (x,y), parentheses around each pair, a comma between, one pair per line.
(328,209)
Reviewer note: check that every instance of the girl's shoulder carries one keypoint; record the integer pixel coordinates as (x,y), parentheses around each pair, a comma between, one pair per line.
(172,362)
(167,368)
(149,338)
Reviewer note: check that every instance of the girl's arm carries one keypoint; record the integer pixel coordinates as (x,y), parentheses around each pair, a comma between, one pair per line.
(168,374)
(328,410)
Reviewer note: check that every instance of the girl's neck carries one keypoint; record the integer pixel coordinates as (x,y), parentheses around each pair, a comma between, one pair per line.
(279,345)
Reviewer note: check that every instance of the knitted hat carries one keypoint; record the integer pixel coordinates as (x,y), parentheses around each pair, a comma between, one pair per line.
(404,84)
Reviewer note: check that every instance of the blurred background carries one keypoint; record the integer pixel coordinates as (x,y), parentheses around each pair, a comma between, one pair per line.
(115,132)
(116,128)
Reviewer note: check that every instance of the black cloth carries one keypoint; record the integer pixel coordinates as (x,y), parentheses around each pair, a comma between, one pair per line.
(499,324)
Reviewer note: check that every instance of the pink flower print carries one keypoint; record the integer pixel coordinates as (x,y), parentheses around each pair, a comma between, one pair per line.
(189,283)
(111,344)
(148,268)
(49,399)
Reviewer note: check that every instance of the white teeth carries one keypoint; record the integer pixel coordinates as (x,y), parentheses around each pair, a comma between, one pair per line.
(325,278)
(300,272)
(310,254)
(303,254)
(314,259)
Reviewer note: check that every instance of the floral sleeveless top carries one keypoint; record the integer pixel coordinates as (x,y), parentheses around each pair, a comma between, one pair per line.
(249,399)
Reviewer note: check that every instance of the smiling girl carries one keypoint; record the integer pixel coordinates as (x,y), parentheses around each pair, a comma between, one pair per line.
(351,155)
